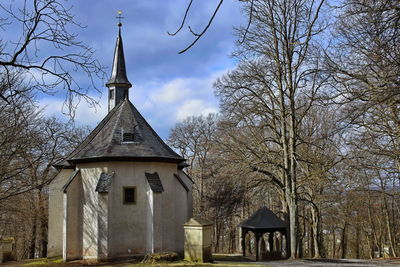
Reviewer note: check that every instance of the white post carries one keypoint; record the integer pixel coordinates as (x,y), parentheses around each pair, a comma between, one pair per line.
(64,234)
(150,221)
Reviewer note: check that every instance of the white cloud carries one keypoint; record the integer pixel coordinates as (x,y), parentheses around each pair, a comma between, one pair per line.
(84,115)
(194,107)
(162,103)
(168,102)
(171,92)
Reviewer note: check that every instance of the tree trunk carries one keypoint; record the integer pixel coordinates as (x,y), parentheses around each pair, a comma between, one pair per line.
(315,231)
(293,228)
(32,241)
(388,227)
(372,224)
(357,242)
(343,242)
(333,243)
(370,246)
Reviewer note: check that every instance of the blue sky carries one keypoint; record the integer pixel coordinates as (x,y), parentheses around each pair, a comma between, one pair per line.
(167,87)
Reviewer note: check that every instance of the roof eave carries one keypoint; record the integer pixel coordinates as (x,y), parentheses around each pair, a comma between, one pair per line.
(118,82)
(126,158)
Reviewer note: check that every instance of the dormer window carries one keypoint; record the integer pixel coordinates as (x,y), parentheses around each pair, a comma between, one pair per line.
(128,137)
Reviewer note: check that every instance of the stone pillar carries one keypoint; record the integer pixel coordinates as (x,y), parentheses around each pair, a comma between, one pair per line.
(198,240)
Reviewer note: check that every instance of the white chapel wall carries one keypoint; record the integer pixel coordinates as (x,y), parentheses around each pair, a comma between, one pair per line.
(55,235)
(90,173)
(73,226)
(110,228)
(182,214)
(129,226)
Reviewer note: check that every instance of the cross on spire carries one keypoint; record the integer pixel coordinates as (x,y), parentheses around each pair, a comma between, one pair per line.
(119,17)
(118,83)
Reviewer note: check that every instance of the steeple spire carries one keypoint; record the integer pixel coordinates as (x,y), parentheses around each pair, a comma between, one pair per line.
(118,84)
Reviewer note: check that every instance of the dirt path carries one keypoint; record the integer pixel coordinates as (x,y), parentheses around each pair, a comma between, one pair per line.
(226,259)
(219,260)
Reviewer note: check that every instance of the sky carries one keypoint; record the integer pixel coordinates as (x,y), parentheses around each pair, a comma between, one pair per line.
(167,86)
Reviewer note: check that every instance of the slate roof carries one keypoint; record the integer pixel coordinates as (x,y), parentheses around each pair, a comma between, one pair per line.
(62,164)
(118,74)
(69,180)
(263,219)
(181,182)
(105,141)
(154,182)
(104,183)
(183,165)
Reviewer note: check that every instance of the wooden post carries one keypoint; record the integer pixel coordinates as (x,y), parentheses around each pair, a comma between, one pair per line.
(271,242)
(257,243)
(288,247)
(287,242)
(244,242)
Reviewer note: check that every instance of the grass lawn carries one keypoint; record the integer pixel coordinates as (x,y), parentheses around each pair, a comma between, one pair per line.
(58,262)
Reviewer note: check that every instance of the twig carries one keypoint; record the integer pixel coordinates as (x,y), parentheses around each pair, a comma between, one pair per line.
(183,21)
(204,30)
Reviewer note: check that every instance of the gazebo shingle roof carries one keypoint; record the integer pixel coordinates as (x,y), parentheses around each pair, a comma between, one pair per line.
(263,219)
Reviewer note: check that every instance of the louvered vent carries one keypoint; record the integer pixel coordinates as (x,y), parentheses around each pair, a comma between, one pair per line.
(128,137)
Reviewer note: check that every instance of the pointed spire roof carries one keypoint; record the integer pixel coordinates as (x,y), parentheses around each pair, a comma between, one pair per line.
(118,74)
(106,141)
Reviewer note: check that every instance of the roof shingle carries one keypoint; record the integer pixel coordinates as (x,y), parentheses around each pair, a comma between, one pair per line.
(263,219)
(69,180)
(104,183)
(105,142)
(155,183)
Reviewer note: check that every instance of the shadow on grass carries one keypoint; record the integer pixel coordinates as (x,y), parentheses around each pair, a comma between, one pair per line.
(230,257)
(336,261)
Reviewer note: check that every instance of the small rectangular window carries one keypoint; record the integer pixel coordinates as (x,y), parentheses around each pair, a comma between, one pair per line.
(128,137)
(129,195)
(112,94)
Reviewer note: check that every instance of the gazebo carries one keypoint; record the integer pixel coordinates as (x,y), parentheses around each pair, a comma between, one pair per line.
(261,222)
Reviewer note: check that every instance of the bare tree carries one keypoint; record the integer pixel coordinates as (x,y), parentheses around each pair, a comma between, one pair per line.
(277,68)
(46,26)
(365,60)
(194,139)
(199,35)
(30,145)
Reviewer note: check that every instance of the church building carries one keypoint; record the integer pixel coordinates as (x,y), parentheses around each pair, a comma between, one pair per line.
(122,191)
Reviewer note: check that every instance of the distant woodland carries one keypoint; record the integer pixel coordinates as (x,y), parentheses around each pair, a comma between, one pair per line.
(309,127)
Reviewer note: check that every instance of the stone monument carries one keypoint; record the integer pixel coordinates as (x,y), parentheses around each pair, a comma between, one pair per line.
(198,240)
